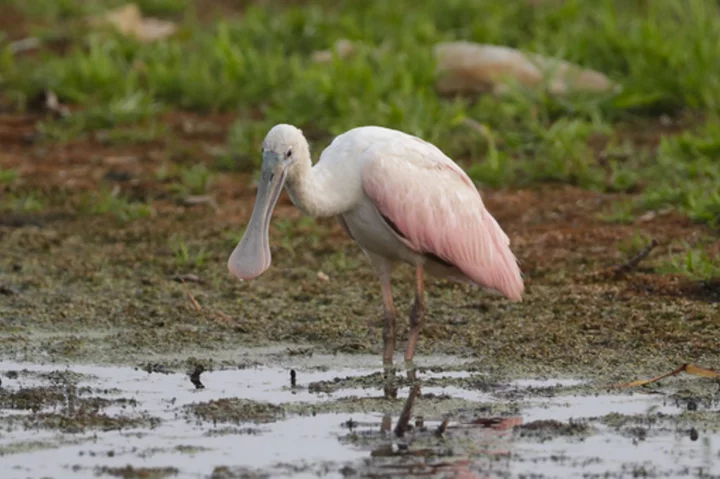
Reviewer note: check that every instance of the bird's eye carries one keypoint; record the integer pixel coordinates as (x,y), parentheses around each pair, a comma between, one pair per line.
(288,153)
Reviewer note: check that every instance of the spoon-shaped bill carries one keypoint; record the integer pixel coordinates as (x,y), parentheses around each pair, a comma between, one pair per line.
(251,257)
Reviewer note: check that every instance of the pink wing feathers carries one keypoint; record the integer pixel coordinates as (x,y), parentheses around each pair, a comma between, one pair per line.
(436,207)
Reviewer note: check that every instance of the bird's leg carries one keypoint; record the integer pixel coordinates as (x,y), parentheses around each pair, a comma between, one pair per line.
(390,314)
(417,316)
(383,267)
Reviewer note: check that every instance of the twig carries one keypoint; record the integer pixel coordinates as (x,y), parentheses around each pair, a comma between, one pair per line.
(190,278)
(222,317)
(633,262)
(219,316)
(687,368)
(441,428)
(193,301)
(195,377)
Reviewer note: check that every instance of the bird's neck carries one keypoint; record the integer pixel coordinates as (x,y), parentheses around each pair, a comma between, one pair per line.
(312,190)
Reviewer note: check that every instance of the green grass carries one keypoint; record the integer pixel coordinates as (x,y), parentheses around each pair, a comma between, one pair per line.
(30,202)
(185,255)
(185,180)
(108,202)
(8,176)
(67,9)
(631,246)
(196,179)
(259,66)
(301,234)
(687,175)
(694,263)
(684,174)
(136,134)
(131,109)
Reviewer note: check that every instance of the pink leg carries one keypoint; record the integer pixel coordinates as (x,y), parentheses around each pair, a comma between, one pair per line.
(383,268)
(390,320)
(417,316)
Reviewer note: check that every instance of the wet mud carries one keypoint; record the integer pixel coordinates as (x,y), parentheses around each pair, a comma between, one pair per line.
(126,356)
(126,349)
(430,421)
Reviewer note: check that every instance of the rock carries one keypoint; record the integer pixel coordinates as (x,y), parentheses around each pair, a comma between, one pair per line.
(466,67)
(128,20)
(343,48)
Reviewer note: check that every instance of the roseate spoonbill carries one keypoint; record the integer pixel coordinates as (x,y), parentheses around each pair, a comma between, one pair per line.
(400,198)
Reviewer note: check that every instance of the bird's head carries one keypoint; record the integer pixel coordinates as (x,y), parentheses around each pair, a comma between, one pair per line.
(281,149)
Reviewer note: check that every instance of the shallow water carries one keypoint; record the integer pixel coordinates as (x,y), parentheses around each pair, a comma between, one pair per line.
(654,438)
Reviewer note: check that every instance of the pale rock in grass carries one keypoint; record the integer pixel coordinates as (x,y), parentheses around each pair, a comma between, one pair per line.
(467,67)
(343,48)
(129,21)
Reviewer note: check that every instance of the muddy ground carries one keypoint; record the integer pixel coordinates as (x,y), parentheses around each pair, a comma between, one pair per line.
(107,311)
(67,272)
(119,312)
(275,413)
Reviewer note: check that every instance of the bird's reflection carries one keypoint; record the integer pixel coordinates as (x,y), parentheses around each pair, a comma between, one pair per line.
(409,441)
(390,387)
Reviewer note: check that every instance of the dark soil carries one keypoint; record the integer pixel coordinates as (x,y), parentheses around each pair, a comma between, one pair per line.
(70,271)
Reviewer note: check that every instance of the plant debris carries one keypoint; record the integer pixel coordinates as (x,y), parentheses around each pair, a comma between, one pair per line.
(236,410)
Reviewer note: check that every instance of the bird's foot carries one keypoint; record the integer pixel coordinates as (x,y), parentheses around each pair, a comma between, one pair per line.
(390,388)
(410,367)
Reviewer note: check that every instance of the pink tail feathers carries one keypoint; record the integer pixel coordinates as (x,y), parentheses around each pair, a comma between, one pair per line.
(503,272)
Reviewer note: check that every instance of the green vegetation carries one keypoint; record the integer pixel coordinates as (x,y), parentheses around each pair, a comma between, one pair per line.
(107,201)
(185,255)
(67,9)
(694,263)
(300,234)
(687,174)
(185,180)
(129,109)
(663,53)
(631,246)
(8,177)
(30,202)
(655,143)
(120,206)
(194,180)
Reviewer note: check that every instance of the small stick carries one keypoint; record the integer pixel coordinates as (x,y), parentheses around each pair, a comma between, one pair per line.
(222,317)
(688,368)
(190,278)
(441,428)
(195,377)
(193,301)
(633,262)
